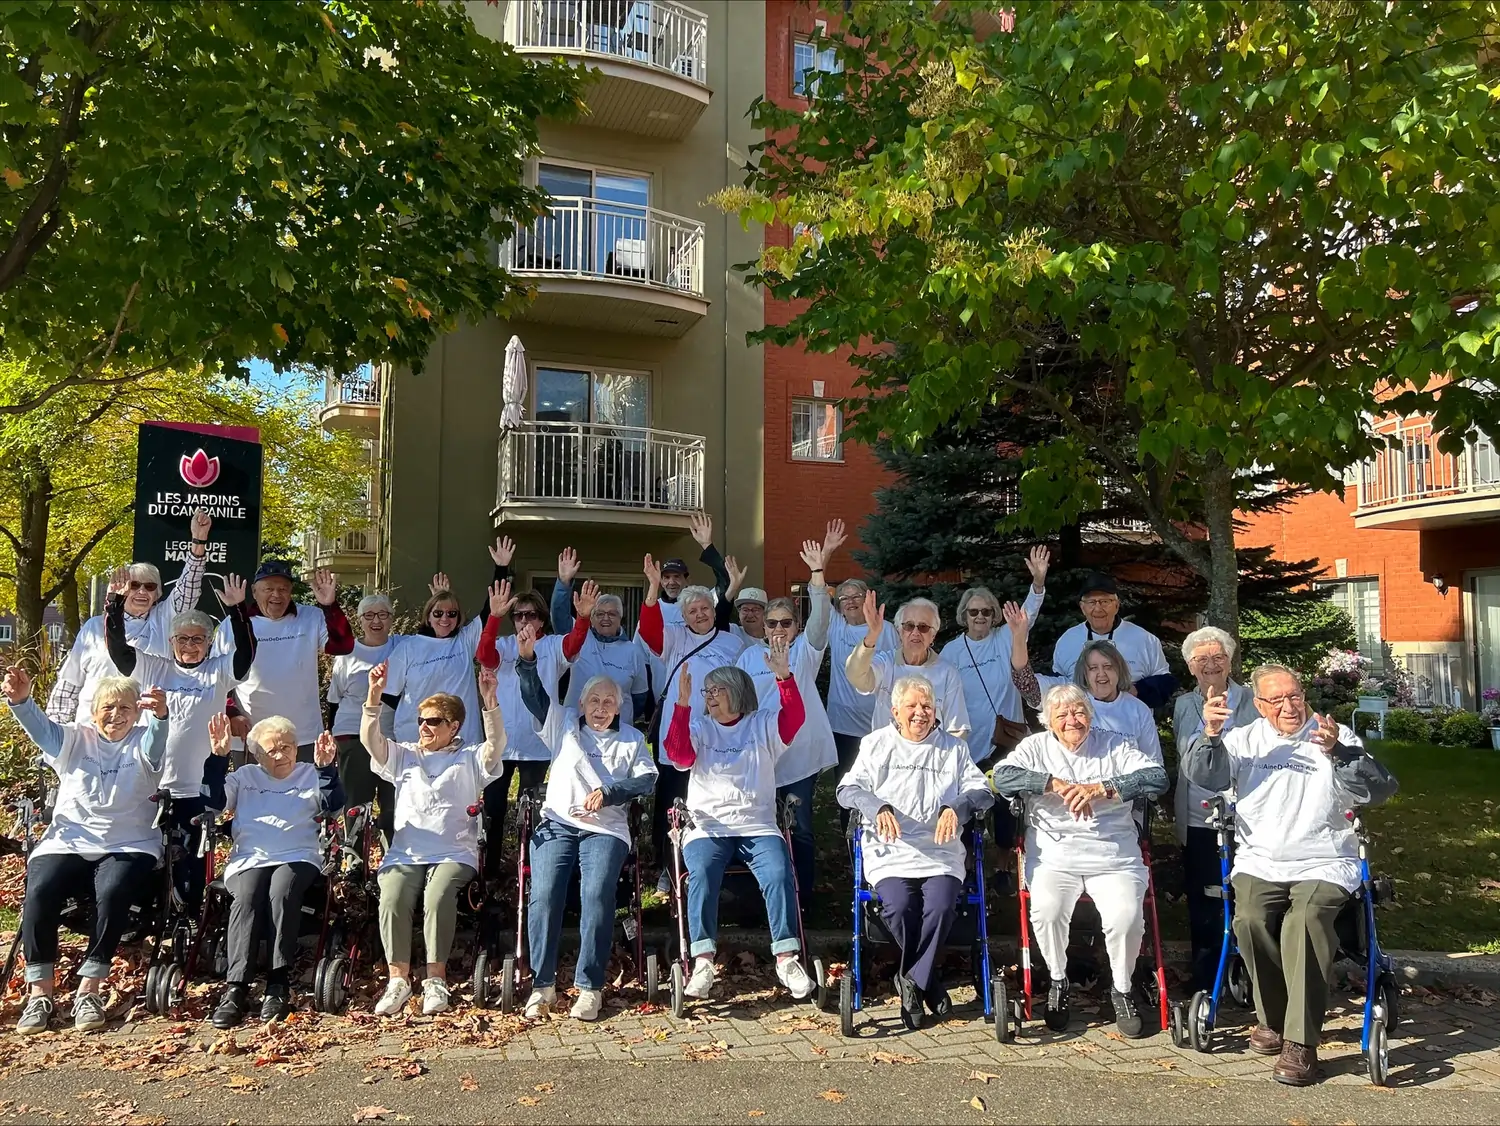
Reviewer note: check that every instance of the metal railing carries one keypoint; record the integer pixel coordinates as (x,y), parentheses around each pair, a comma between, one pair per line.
(1434,677)
(1415,471)
(656,33)
(363,388)
(359,542)
(595,465)
(595,238)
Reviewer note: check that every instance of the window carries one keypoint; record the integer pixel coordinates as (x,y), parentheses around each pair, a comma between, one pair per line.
(54,632)
(1360,599)
(598,223)
(591,443)
(807,63)
(7,633)
(816,426)
(611,398)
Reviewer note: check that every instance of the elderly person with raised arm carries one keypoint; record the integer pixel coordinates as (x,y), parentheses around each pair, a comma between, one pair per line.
(290,638)
(102,834)
(599,767)
(674,580)
(1101,671)
(348,685)
(1209,653)
(729,757)
(1080,783)
(1295,775)
(915,787)
(434,851)
(851,714)
(197,686)
(274,857)
(812,751)
(601,647)
(872,673)
(147,618)
(1151,676)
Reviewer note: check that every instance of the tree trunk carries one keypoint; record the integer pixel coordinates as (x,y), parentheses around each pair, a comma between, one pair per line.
(72,620)
(1224,565)
(31,557)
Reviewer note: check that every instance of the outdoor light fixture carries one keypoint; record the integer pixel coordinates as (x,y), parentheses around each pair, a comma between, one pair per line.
(1441,584)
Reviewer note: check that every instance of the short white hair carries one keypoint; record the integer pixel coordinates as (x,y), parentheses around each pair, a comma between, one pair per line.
(610,600)
(1264,671)
(145,573)
(691,594)
(912,682)
(601,681)
(1207,636)
(194,619)
(111,688)
(270,726)
(920,604)
(370,601)
(1060,694)
(977,594)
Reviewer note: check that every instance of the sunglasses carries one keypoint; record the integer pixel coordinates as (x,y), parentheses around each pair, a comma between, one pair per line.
(916,627)
(526,616)
(430,721)
(454,614)
(980,612)
(780,623)
(148,587)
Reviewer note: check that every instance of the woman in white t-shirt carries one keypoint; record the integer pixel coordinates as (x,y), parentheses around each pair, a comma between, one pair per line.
(599,766)
(730,757)
(434,851)
(348,684)
(102,834)
(1081,783)
(275,856)
(872,672)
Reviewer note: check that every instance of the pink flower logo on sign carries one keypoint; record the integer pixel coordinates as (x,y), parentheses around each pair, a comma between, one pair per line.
(200,471)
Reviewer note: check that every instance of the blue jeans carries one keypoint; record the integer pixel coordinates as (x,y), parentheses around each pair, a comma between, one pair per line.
(556,850)
(802,834)
(707,858)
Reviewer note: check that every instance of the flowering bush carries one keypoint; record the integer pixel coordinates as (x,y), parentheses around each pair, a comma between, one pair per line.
(1337,678)
(1491,707)
(1344,664)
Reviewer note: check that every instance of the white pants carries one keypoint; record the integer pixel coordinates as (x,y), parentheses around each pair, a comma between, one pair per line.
(1118,896)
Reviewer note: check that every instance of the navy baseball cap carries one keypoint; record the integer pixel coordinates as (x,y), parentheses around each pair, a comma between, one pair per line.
(676,565)
(274,569)
(1099,583)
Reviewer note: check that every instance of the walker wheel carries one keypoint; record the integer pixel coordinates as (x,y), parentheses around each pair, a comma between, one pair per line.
(508,984)
(1379,1055)
(1239,982)
(1200,1023)
(679,990)
(332,994)
(1177,1024)
(820,985)
(319,971)
(153,979)
(1000,997)
(172,983)
(482,979)
(1388,999)
(652,980)
(846,1004)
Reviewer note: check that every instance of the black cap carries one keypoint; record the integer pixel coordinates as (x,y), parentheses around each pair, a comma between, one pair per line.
(674,565)
(1098,582)
(273,569)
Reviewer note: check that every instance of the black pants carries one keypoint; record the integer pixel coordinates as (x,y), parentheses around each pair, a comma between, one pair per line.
(497,801)
(187,866)
(1200,871)
(267,900)
(120,881)
(919,913)
(671,784)
(362,786)
(848,748)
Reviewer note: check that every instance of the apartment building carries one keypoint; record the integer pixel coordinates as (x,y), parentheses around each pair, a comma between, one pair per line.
(353,404)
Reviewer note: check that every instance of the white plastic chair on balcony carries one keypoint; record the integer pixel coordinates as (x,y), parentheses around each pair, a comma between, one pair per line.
(629,258)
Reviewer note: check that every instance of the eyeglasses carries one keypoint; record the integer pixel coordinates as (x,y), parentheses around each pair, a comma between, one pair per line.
(1098,603)
(148,587)
(189,639)
(980,612)
(1209,659)
(116,709)
(454,614)
(780,623)
(526,616)
(430,721)
(713,690)
(1282,701)
(922,628)
(380,616)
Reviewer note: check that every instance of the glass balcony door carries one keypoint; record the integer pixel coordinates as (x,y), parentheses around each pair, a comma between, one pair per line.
(599,224)
(592,442)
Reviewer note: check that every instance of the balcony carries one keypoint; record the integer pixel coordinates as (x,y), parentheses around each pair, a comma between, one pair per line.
(611,267)
(352,553)
(591,473)
(352,403)
(1414,485)
(651,58)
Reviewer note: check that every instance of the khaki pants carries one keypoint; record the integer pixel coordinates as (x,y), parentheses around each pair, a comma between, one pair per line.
(1286,936)
(439,885)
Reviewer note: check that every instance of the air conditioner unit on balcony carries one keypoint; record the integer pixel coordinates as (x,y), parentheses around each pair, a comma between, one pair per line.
(683,492)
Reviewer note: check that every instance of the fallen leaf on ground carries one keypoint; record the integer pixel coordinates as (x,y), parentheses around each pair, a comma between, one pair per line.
(1084,1048)
(891,1057)
(529,1100)
(468,1083)
(1167,1064)
(982,1076)
(756,1114)
(1120,1036)
(370,1079)
(832,1096)
(371,1113)
(977,1103)
(543,1088)
(242,1084)
(175,1093)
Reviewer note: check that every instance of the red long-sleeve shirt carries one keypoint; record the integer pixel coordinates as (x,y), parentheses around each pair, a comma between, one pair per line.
(679,742)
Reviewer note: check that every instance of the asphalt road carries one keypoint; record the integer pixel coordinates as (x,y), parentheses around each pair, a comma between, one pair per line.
(481,1091)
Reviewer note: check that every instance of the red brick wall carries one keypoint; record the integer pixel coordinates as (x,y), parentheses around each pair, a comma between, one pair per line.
(801,496)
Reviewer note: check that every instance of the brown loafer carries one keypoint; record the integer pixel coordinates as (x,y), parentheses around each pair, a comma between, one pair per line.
(1297,1065)
(1265,1042)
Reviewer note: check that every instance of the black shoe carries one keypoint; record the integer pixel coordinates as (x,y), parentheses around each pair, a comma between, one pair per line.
(232,1008)
(1127,1016)
(1058,1011)
(911,1002)
(277,1004)
(939,1004)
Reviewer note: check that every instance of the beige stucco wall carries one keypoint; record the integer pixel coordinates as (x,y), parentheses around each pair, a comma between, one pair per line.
(442,427)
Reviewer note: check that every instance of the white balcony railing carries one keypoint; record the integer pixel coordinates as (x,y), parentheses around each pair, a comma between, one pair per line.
(320,548)
(593,465)
(582,237)
(362,388)
(655,33)
(1415,471)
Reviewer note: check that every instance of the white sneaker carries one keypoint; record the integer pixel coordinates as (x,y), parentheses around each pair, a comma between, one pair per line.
(701,985)
(790,973)
(434,996)
(540,1001)
(587,1007)
(394,999)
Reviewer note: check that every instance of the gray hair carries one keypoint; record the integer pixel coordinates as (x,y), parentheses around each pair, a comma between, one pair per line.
(110,688)
(1060,694)
(912,682)
(1208,635)
(692,594)
(975,593)
(370,601)
(1264,671)
(920,604)
(787,604)
(1111,654)
(146,573)
(602,681)
(194,619)
(271,725)
(610,600)
(851,586)
(736,681)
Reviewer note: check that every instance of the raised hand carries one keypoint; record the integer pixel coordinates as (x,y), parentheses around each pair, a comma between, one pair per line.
(439,584)
(377,684)
(834,537)
(325,750)
(887,828)
(947,827)
(526,641)
(652,570)
(500,598)
(234,590)
(778,658)
(489,687)
(585,599)
(119,581)
(201,524)
(17,684)
(812,555)
(1037,563)
(1216,714)
(218,734)
(1326,734)
(701,524)
(325,587)
(503,551)
(154,700)
(567,565)
(737,574)
(874,618)
(685,687)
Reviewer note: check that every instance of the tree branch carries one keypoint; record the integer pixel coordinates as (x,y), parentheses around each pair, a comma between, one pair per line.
(69,572)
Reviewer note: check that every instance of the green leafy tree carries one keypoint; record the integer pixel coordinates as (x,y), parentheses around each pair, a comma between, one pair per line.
(1251,224)
(302,181)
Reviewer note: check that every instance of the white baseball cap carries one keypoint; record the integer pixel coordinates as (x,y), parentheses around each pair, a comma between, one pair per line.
(752,594)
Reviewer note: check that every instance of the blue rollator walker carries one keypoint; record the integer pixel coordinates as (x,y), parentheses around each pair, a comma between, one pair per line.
(869,926)
(1358,940)
(1193,1022)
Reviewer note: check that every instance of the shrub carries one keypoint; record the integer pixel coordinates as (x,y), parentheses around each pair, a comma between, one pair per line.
(1403,725)
(1298,637)
(1437,716)
(1344,713)
(1465,730)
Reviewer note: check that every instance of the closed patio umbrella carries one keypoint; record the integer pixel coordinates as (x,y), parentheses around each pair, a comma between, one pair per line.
(515,384)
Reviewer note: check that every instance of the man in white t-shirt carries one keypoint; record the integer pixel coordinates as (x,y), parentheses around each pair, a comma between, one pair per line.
(850,712)
(1295,776)
(750,608)
(1151,677)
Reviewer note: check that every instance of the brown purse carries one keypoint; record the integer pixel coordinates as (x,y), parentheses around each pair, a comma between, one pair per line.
(1007,732)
